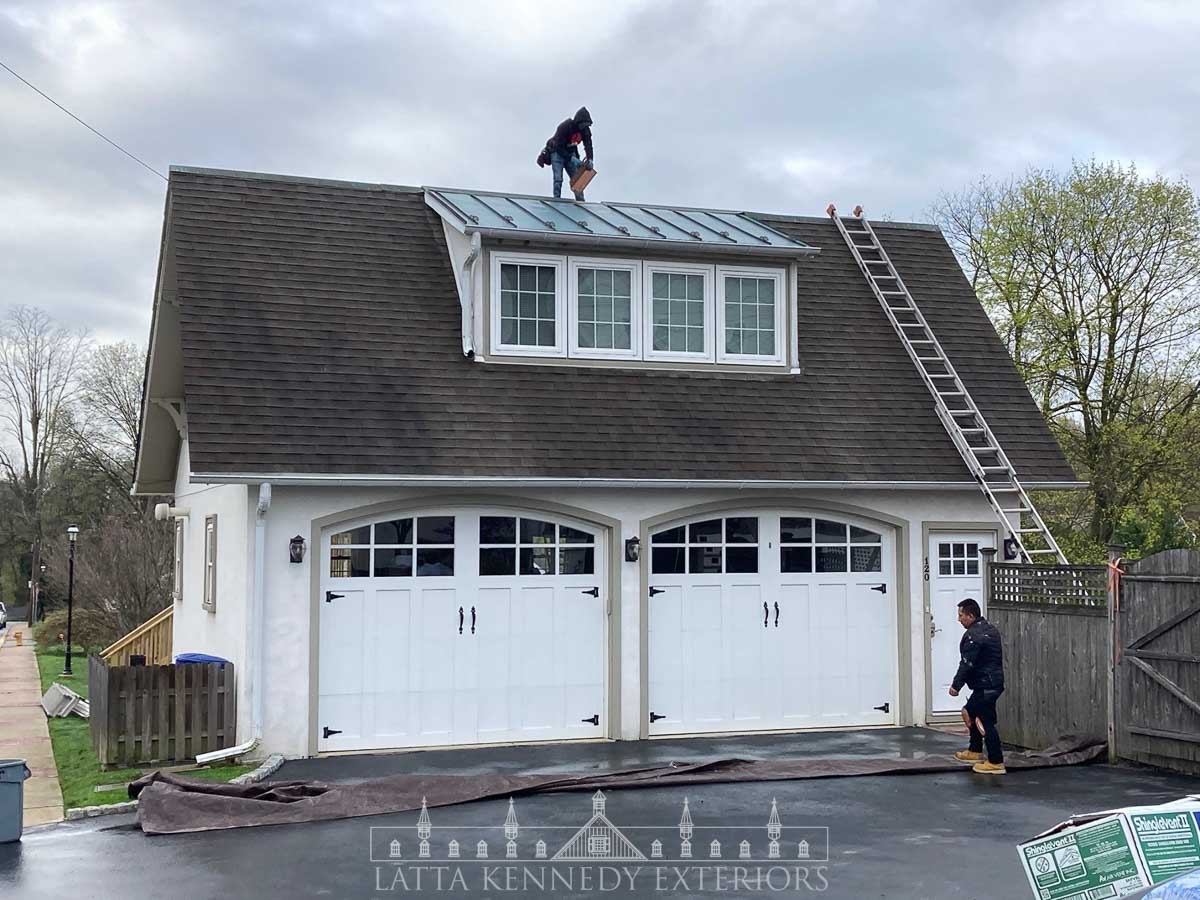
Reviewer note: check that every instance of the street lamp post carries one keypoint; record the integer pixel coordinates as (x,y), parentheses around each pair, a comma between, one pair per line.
(72,534)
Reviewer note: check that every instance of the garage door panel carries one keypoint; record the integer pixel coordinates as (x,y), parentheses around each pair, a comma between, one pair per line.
(401,664)
(791,655)
(666,640)
(748,615)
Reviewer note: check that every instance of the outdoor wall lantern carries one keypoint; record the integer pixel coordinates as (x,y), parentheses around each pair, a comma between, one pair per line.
(633,549)
(1010,548)
(296,549)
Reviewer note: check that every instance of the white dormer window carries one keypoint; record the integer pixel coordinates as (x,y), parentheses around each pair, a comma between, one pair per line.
(601,308)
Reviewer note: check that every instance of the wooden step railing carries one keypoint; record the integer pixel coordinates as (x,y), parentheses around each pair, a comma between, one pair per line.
(151,639)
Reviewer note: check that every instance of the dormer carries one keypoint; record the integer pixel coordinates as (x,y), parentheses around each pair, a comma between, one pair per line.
(614,284)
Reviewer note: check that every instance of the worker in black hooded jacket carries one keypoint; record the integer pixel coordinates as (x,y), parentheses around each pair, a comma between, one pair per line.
(981,668)
(562,150)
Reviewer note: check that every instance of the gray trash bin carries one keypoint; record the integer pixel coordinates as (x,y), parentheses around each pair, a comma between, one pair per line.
(13,773)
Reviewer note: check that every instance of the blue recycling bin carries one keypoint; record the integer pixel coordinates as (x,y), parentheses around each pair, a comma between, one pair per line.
(13,773)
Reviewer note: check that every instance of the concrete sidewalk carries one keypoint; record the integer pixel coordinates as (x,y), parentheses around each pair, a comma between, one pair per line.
(23,731)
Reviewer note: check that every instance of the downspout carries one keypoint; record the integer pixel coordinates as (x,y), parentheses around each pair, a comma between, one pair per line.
(466,296)
(257,653)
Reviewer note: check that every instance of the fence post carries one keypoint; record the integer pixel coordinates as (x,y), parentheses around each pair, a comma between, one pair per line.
(1114,644)
(989,559)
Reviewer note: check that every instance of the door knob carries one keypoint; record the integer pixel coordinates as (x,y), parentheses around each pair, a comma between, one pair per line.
(460,619)
(472,620)
(766,614)
(776,613)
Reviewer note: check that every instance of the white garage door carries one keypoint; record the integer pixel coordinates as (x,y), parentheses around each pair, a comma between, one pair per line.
(767,620)
(461,626)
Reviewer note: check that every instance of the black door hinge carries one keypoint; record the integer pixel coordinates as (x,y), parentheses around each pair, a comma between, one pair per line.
(882,588)
(655,590)
(330,596)
(594,720)
(594,592)
(887,707)
(328,732)
(654,717)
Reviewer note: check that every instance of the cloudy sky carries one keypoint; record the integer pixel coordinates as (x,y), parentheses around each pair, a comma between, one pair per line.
(776,106)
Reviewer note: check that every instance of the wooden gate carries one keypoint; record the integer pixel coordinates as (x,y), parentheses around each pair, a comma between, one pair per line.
(1158,667)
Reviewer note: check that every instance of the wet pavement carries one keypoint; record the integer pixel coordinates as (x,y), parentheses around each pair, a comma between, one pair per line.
(946,835)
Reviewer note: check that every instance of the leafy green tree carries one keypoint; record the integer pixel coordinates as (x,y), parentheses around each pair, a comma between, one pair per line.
(1092,277)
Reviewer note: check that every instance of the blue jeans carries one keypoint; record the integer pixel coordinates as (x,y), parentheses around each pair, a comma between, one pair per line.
(568,161)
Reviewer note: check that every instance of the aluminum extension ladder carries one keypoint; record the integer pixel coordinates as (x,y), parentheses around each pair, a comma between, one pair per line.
(962,419)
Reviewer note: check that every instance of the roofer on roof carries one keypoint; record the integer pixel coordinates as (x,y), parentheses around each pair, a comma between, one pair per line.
(562,150)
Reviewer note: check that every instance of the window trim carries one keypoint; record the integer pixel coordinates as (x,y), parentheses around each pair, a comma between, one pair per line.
(210,563)
(751,359)
(634,267)
(177,566)
(648,271)
(559,263)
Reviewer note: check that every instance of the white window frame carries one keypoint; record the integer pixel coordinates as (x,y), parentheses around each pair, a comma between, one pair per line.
(752,359)
(649,269)
(177,568)
(634,267)
(559,263)
(210,564)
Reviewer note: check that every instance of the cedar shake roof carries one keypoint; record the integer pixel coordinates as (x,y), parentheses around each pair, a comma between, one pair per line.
(319,332)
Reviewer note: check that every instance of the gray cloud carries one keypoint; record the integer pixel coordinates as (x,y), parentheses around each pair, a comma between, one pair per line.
(759,105)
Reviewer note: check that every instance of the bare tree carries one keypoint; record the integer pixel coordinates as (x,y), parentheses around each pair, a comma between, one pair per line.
(105,417)
(39,360)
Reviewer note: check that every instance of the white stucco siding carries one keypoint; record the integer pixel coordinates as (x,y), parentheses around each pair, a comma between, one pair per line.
(288,682)
(221,632)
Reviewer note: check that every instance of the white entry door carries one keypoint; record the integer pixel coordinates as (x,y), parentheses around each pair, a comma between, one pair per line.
(461,626)
(955,573)
(770,620)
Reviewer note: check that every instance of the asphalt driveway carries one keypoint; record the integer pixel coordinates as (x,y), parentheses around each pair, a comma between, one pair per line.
(911,836)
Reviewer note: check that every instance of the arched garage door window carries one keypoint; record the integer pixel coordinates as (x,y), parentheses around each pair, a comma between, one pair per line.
(731,544)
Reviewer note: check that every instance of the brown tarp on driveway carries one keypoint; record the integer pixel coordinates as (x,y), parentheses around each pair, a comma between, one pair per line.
(169,804)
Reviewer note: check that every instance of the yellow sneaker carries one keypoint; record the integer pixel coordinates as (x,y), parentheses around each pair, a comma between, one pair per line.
(987,768)
(969,756)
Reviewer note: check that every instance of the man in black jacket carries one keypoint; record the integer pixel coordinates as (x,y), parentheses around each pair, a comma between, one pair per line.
(982,670)
(562,150)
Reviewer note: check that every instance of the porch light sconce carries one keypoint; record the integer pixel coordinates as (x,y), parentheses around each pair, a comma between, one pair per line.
(1010,548)
(296,549)
(633,549)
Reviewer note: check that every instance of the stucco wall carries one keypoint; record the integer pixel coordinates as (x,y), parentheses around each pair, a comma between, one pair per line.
(289,588)
(221,632)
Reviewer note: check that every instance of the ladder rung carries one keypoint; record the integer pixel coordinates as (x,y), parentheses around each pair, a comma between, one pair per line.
(961,412)
(885,277)
(875,262)
(928,358)
(993,468)
(1037,552)
(910,324)
(920,342)
(985,449)
(1029,531)
(893,293)
(971,430)
(951,394)
(942,376)
(865,247)
(1002,490)
(1009,512)
(901,309)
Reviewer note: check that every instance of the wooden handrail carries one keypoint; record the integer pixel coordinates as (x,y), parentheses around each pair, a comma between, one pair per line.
(151,639)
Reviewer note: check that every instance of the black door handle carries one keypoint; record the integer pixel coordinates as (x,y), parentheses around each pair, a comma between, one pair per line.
(654,717)
(594,720)
(766,614)
(595,592)
(655,590)
(460,619)
(776,613)
(328,732)
(472,620)
(330,596)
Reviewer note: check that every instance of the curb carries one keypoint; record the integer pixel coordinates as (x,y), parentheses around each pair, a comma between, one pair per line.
(268,768)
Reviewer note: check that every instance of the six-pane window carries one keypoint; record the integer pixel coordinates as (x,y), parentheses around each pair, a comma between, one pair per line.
(397,548)
(511,545)
(958,558)
(710,546)
(825,545)
(605,309)
(528,305)
(677,312)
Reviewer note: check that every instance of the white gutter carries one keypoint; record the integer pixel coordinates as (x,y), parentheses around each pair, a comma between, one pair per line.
(255,670)
(375,480)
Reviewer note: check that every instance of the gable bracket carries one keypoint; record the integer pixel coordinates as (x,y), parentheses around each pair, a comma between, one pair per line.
(176,410)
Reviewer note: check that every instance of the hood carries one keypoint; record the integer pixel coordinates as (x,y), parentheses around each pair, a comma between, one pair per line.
(583,117)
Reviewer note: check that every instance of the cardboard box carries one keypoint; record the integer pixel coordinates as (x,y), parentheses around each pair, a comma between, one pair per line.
(1114,853)
(582,179)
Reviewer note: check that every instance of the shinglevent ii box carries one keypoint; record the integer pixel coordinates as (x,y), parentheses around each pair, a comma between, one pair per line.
(1114,853)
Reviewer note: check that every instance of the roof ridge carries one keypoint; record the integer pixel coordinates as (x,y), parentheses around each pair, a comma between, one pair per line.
(416,189)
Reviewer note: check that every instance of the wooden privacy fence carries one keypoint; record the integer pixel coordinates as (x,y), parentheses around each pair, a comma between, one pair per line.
(153,714)
(1157,678)
(1104,653)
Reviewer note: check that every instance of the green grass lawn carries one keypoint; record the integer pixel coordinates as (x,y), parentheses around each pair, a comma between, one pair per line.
(79,770)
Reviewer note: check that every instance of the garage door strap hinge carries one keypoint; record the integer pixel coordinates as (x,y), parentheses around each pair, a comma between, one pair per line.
(654,717)
(882,588)
(330,596)
(594,719)
(328,732)
(885,708)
